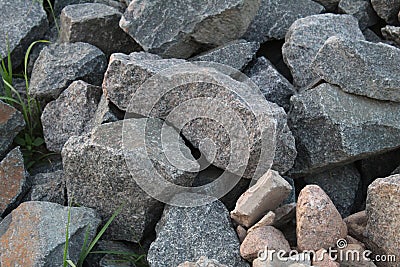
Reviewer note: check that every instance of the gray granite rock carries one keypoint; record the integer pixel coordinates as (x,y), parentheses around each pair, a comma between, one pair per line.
(272,84)
(70,114)
(34,234)
(332,128)
(23,22)
(48,187)
(60,4)
(59,65)
(360,67)
(330,5)
(186,234)
(387,10)
(275,17)
(83,22)
(11,122)
(184,26)
(371,36)
(307,35)
(362,10)
(105,112)
(391,33)
(202,262)
(292,196)
(236,54)
(340,184)
(97,172)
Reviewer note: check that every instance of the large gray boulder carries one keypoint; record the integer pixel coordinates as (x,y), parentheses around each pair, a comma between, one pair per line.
(48,187)
(387,10)
(184,26)
(307,35)
(360,67)
(275,17)
(186,234)
(332,128)
(59,65)
(11,123)
(360,9)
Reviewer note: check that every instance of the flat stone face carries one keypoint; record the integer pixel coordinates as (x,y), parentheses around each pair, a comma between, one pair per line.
(319,224)
(275,17)
(24,22)
(83,22)
(361,9)
(307,35)
(59,65)
(11,122)
(60,4)
(330,5)
(332,127)
(97,166)
(49,187)
(70,114)
(202,262)
(383,212)
(186,234)
(387,10)
(185,25)
(34,234)
(391,33)
(360,67)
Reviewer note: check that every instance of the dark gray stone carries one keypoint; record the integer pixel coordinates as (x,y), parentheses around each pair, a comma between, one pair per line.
(11,122)
(330,5)
(34,234)
(48,187)
(104,112)
(186,234)
(59,65)
(391,33)
(332,128)
(292,196)
(371,36)
(360,67)
(23,22)
(362,10)
(60,4)
(70,114)
(396,171)
(275,17)
(387,10)
(307,35)
(178,29)
(84,22)
(236,54)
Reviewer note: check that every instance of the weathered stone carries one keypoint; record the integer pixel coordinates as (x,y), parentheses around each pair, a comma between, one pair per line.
(383,212)
(387,10)
(70,114)
(13,181)
(261,238)
(236,54)
(59,65)
(356,224)
(371,36)
(272,84)
(300,260)
(97,166)
(347,63)
(34,234)
(340,184)
(332,128)
(319,224)
(391,33)
(23,22)
(49,187)
(322,259)
(186,25)
(83,22)
(266,195)
(284,214)
(267,220)
(361,10)
(355,257)
(202,262)
(330,5)
(105,112)
(185,234)
(241,233)
(11,122)
(60,4)
(292,196)
(307,35)
(274,18)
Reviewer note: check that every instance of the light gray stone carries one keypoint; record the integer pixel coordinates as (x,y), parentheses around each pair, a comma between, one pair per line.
(59,65)
(184,26)
(391,33)
(105,112)
(49,187)
(185,234)
(360,67)
(387,10)
(275,17)
(362,10)
(11,122)
(60,4)
(202,262)
(330,5)
(307,35)
(332,128)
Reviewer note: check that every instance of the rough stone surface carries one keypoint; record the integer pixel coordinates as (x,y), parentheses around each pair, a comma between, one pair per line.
(391,33)
(186,25)
(105,112)
(23,22)
(349,64)
(267,220)
(11,122)
(330,5)
(284,214)
(322,259)
(387,10)
(354,262)
(70,114)
(340,184)
(356,224)
(202,262)
(59,65)
(292,196)
(299,260)
(275,17)
(83,22)
(266,195)
(13,181)
(48,187)
(95,168)
(307,35)
(319,224)
(371,36)
(332,127)
(361,9)
(60,4)
(186,234)
(236,54)
(34,234)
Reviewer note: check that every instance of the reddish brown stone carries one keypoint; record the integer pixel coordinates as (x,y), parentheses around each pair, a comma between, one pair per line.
(322,259)
(11,122)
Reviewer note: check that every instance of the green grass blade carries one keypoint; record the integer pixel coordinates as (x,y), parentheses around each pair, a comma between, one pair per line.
(5,98)
(81,258)
(65,261)
(26,59)
(70,263)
